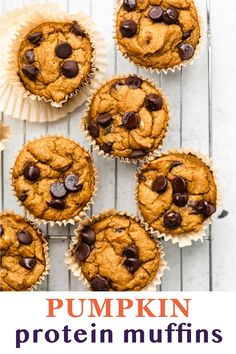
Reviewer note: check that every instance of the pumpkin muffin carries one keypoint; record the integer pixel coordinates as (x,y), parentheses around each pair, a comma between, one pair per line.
(128,117)
(158,34)
(116,253)
(23,253)
(54,178)
(55,59)
(176,193)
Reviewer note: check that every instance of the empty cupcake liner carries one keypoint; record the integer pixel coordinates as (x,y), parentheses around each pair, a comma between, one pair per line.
(18,102)
(185,239)
(77,218)
(75,267)
(84,122)
(153,70)
(4,135)
(45,248)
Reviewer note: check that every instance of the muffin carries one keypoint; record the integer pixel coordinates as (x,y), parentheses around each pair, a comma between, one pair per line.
(4,135)
(128,117)
(176,193)
(54,178)
(116,253)
(158,34)
(55,59)
(23,254)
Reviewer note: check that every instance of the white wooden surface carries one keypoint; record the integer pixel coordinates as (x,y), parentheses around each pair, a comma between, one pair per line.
(198,122)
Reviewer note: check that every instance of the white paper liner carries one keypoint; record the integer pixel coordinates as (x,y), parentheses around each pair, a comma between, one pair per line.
(45,248)
(75,267)
(185,239)
(12,94)
(93,142)
(159,71)
(4,135)
(77,218)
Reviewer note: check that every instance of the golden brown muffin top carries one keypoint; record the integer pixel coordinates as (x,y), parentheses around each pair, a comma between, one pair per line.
(22,254)
(158,33)
(128,117)
(176,193)
(116,253)
(54,178)
(54,59)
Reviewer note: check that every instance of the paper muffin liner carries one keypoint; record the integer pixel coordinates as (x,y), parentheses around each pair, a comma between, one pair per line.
(80,215)
(15,100)
(93,142)
(4,135)
(154,70)
(45,248)
(185,239)
(75,267)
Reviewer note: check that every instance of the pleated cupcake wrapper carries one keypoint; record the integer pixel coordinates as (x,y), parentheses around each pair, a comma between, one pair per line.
(4,135)
(16,100)
(159,71)
(84,122)
(75,267)
(185,239)
(77,218)
(45,248)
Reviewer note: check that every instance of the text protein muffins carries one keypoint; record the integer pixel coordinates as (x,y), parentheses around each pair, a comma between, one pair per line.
(23,254)
(114,252)
(55,59)
(54,179)
(127,117)
(176,194)
(158,34)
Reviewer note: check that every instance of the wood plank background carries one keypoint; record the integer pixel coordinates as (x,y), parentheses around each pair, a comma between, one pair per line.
(203,109)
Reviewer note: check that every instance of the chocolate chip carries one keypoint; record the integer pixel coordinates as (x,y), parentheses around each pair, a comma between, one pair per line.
(156,13)
(88,236)
(70,69)
(153,102)
(180,199)
(130,5)
(160,184)
(133,82)
(58,190)
(104,119)
(23,196)
(57,203)
(179,184)
(29,56)
(128,28)
(99,284)
(175,164)
(205,208)
(186,51)
(83,251)
(172,219)
(135,154)
(77,30)
(130,120)
(1,230)
(131,251)
(132,264)
(35,38)
(170,16)
(117,84)
(186,35)
(93,130)
(30,71)
(28,263)
(107,148)
(223,214)
(72,183)
(31,172)
(24,237)
(63,50)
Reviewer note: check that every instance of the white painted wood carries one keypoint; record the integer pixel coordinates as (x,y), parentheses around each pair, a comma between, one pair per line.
(190,269)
